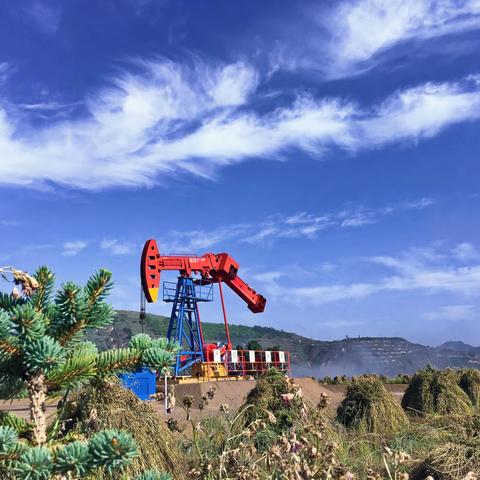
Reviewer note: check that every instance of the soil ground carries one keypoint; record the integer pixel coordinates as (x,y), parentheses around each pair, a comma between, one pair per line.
(232,393)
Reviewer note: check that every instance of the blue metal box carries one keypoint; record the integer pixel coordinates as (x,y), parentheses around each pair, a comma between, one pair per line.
(142,383)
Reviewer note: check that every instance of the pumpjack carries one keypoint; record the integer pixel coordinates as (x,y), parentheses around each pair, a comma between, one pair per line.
(197,276)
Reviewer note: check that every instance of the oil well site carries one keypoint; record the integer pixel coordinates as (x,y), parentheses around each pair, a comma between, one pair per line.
(239,240)
(180,406)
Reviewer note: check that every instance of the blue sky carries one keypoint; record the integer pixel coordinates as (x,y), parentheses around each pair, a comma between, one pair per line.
(330,147)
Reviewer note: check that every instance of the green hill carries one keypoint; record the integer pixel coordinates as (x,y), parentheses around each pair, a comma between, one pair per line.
(350,356)
(127,324)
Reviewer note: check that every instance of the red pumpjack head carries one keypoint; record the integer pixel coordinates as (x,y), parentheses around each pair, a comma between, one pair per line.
(149,271)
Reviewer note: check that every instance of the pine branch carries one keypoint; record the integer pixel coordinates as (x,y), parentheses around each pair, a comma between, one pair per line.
(100,316)
(19,424)
(73,373)
(42,355)
(7,327)
(34,463)
(30,323)
(69,316)
(73,460)
(112,449)
(46,282)
(11,387)
(90,311)
(98,286)
(9,348)
(8,301)
(10,447)
(69,336)
(117,361)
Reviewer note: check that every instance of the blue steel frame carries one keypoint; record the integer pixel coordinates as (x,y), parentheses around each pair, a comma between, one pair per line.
(184,326)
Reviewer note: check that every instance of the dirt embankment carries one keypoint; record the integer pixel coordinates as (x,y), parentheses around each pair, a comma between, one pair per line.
(232,393)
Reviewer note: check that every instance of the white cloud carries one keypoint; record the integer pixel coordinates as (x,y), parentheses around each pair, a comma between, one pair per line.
(194,240)
(298,225)
(232,84)
(327,267)
(453,313)
(419,112)
(5,71)
(466,251)
(71,249)
(362,29)
(342,323)
(116,247)
(8,223)
(45,16)
(414,271)
(176,118)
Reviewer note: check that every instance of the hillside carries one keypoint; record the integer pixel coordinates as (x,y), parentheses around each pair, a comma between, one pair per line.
(385,355)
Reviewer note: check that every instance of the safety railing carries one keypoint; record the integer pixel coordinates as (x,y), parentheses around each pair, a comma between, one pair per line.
(202,289)
(249,362)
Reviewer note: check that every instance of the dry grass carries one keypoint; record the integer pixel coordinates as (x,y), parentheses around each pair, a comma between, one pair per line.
(266,397)
(109,405)
(451,461)
(369,407)
(469,382)
(436,391)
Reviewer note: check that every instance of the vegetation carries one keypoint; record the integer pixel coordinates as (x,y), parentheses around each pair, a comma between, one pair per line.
(102,431)
(127,324)
(277,434)
(274,394)
(436,391)
(42,354)
(274,435)
(105,404)
(400,379)
(254,345)
(369,408)
(252,444)
(469,382)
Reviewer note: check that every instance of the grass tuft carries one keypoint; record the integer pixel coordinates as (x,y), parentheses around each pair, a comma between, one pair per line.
(469,382)
(368,407)
(436,391)
(109,405)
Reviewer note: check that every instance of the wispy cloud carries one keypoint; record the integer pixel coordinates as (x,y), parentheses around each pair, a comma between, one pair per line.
(71,249)
(116,247)
(48,110)
(200,117)
(299,225)
(414,271)
(342,323)
(44,15)
(360,31)
(5,71)
(453,313)
(9,223)
(466,251)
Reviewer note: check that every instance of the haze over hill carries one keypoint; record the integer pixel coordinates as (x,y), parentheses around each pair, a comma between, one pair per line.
(350,356)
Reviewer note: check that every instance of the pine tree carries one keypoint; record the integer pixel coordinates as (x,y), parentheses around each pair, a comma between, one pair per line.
(43,354)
